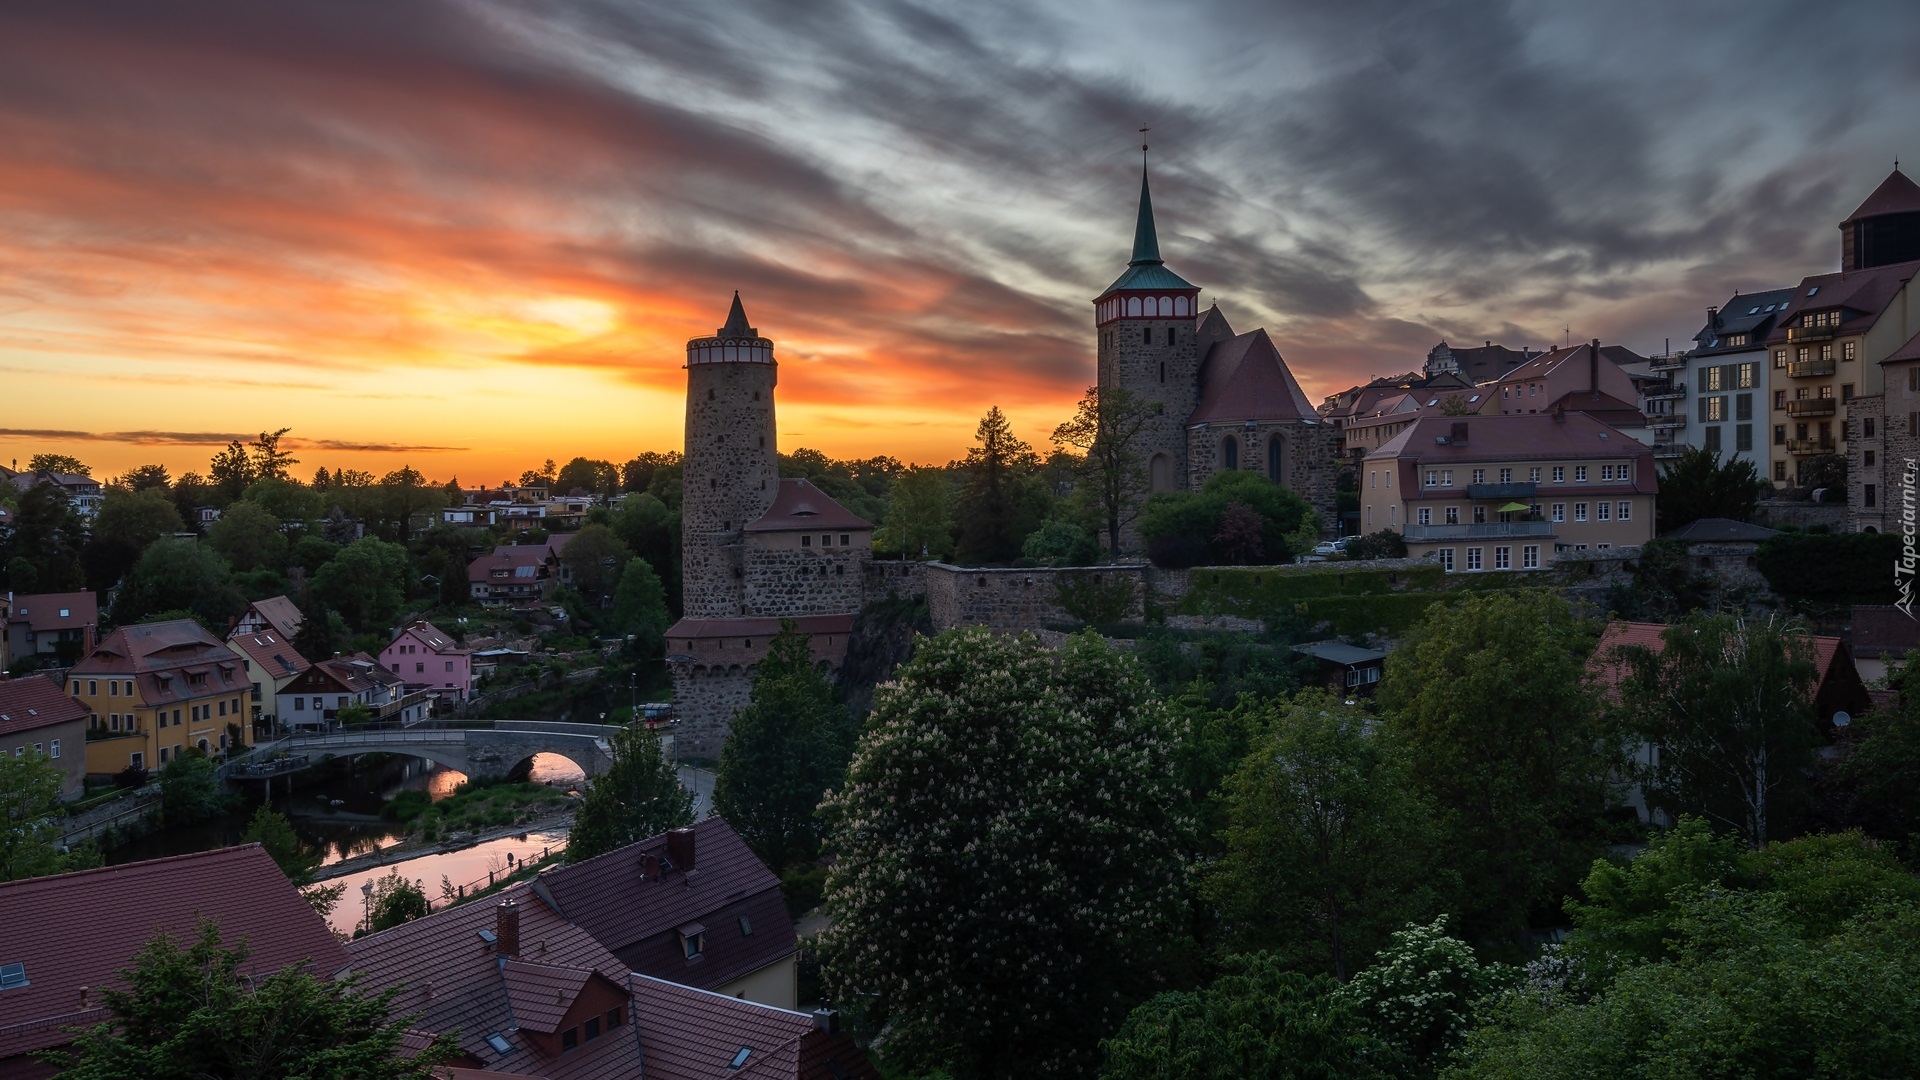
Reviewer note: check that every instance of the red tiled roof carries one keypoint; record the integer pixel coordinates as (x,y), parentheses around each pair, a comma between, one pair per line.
(355,673)
(732,628)
(55,611)
(528,557)
(275,654)
(35,702)
(681,1027)
(86,926)
(638,918)
(1244,378)
(280,613)
(1864,292)
(1895,195)
(1518,437)
(434,638)
(799,507)
(541,994)
(1879,628)
(1609,673)
(161,655)
(1909,351)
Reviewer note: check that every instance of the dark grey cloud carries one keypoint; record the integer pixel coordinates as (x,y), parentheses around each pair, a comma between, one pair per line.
(214,438)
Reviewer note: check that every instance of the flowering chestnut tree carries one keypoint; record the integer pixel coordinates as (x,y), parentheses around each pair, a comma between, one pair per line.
(1010,875)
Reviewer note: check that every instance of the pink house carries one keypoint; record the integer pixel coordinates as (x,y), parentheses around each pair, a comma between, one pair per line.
(426,659)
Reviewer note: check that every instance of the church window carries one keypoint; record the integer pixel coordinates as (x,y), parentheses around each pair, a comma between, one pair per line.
(806,540)
(756,395)
(1146,336)
(1160,473)
(713,483)
(1276,454)
(1163,371)
(1230,452)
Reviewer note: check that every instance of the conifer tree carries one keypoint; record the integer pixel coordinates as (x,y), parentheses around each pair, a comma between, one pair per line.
(639,795)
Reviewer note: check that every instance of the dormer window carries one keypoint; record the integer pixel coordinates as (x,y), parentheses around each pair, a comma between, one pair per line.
(693,940)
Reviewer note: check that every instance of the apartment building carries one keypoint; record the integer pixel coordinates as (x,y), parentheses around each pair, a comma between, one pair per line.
(427,658)
(37,717)
(55,628)
(1507,492)
(1717,393)
(153,689)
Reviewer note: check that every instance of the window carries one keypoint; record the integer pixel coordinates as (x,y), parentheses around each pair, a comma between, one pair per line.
(693,943)
(1559,511)
(569,1039)
(1866,458)
(1473,558)
(1230,452)
(1446,477)
(1503,558)
(1846,392)
(1579,474)
(1743,437)
(844,540)
(1711,440)
(163,755)
(1826,352)
(1779,434)
(1453,515)
(1802,354)
(613,1017)
(1579,511)
(1867,494)
(1506,476)
(1749,373)
(1604,511)
(1779,399)
(591,1029)
(1743,406)
(419,667)
(56,748)
(93,687)
(1365,676)
(1426,516)
(449,665)
(1713,377)
(1779,358)
(1530,557)
(1624,511)
(1866,424)
(1433,478)
(1779,469)
(1533,475)
(299,704)
(1146,336)
(1559,474)
(1479,476)
(1446,559)
(1846,350)
(806,540)
(746,927)
(1606,472)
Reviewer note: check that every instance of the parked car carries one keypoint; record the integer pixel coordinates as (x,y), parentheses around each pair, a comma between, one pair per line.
(1334,547)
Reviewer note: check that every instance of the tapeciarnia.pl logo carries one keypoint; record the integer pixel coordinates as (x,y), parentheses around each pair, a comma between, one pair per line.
(1903,570)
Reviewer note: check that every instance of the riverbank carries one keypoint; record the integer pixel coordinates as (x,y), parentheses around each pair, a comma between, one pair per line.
(408,850)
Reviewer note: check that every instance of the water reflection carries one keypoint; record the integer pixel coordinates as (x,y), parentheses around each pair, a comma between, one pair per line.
(467,870)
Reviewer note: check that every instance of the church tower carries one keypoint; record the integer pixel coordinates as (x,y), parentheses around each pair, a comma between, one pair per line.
(1145,321)
(731,472)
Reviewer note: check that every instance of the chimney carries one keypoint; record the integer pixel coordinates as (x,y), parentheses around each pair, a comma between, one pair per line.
(1593,366)
(680,849)
(506,929)
(1459,436)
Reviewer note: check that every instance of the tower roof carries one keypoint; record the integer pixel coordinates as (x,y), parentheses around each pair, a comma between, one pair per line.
(736,321)
(1895,195)
(1145,270)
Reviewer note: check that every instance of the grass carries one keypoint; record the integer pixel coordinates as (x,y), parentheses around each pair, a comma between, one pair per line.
(473,806)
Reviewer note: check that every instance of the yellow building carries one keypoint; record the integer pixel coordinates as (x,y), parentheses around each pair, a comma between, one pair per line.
(154,689)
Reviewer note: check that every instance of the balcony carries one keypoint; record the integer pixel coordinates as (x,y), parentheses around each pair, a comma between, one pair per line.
(1812,407)
(1810,333)
(1502,491)
(1482,530)
(1666,420)
(1667,363)
(1802,447)
(1809,369)
(1667,450)
(1668,393)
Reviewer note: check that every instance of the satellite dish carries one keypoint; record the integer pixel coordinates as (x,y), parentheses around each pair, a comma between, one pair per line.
(1841,719)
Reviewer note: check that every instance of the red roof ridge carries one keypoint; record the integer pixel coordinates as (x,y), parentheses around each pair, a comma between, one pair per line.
(128,869)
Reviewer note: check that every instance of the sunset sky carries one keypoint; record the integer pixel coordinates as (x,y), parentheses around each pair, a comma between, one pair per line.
(473,235)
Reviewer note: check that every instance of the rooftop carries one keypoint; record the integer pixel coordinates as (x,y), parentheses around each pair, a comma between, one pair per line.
(86,926)
(798,506)
(1244,378)
(276,655)
(1895,195)
(35,702)
(278,612)
(1513,437)
(1862,295)
(43,612)
(1337,652)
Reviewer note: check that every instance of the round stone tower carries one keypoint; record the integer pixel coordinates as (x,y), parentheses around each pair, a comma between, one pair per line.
(731,472)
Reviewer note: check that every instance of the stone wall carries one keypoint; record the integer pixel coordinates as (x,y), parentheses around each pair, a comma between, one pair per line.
(898,577)
(783,581)
(1309,461)
(1014,599)
(1781,513)
(731,476)
(1133,354)
(705,699)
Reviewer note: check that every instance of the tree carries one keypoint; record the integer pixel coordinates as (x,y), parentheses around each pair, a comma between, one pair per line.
(640,608)
(784,752)
(231,470)
(1008,872)
(1418,996)
(652,531)
(1879,775)
(43,549)
(1186,528)
(191,492)
(274,833)
(639,795)
(178,575)
(189,790)
(1061,543)
(287,499)
(29,815)
(196,1012)
(637,475)
(584,476)
(1728,702)
(322,480)
(1327,844)
(403,494)
(1108,429)
(1491,700)
(919,519)
(365,583)
(60,463)
(1385,544)
(248,537)
(145,478)
(395,900)
(595,557)
(137,516)
(1697,484)
(999,504)
(269,461)
(1258,1019)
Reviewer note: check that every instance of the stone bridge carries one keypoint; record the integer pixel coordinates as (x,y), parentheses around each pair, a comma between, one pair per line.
(480,752)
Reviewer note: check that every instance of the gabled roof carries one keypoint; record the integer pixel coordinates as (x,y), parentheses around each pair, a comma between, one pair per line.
(35,702)
(521,561)
(280,613)
(1213,326)
(276,655)
(431,636)
(1719,531)
(1909,351)
(1244,378)
(611,896)
(86,926)
(798,506)
(541,994)
(1339,652)
(1547,362)
(1895,195)
(165,657)
(781,1043)
(1863,295)
(355,673)
(1517,437)
(43,612)
(1610,674)
(1753,314)
(1484,363)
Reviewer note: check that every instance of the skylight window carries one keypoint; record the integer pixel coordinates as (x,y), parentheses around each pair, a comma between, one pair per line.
(1813,290)
(1756,310)
(499,1043)
(12,975)
(740,1058)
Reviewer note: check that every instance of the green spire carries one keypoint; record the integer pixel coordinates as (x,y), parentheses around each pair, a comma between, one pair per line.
(1146,245)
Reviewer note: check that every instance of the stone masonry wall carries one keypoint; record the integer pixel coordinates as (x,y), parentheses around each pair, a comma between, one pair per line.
(1309,463)
(705,699)
(1012,599)
(731,477)
(1128,360)
(785,581)
(898,577)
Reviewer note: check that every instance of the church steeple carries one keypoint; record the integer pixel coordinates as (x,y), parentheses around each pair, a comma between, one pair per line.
(1146,243)
(737,322)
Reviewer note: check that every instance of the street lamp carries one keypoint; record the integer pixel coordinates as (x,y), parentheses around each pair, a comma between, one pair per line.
(366,896)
